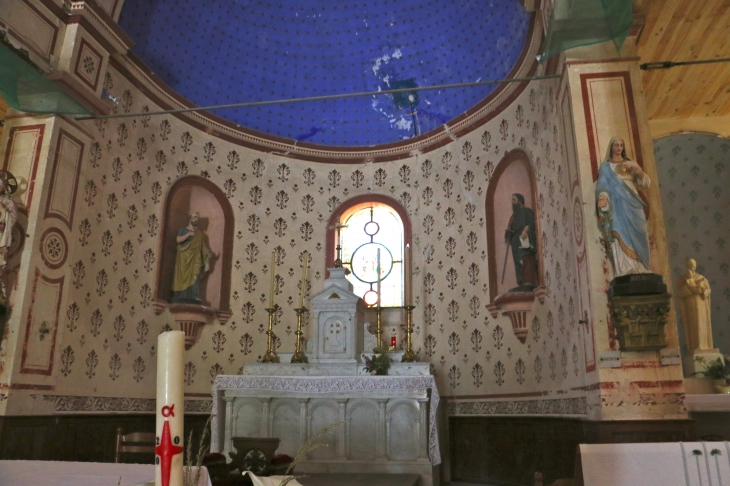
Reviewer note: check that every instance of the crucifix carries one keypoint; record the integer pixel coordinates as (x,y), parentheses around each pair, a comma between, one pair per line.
(337,228)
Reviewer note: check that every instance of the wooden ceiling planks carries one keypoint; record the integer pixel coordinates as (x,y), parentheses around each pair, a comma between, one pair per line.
(679,30)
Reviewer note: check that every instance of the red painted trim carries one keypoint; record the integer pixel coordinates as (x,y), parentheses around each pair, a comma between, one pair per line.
(114,8)
(49,370)
(503,395)
(39,143)
(330,243)
(516,155)
(85,44)
(657,384)
(49,213)
(590,129)
(227,257)
(65,242)
(400,150)
(28,386)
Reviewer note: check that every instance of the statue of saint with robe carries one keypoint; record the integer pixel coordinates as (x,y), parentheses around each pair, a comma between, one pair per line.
(621,211)
(522,240)
(694,302)
(191,263)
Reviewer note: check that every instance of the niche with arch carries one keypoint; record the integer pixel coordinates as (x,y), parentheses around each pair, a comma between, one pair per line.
(513,175)
(187,195)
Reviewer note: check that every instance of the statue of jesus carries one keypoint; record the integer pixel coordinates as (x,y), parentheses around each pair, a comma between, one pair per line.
(191,263)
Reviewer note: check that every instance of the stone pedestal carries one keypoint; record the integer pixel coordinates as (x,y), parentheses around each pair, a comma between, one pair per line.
(639,308)
(191,318)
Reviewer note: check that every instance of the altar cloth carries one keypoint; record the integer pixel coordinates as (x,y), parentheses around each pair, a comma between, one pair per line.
(316,385)
(656,464)
(60,473)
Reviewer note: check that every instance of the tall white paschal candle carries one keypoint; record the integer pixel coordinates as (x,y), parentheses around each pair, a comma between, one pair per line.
(170,405)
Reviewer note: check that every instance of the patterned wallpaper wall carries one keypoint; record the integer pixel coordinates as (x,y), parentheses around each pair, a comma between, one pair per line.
(110,328)
(694,177)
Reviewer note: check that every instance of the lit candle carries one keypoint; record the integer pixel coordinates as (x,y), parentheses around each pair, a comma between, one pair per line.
(169,409)
(304,281)
(407,272)
(271,288)
(377,269)
(392,341)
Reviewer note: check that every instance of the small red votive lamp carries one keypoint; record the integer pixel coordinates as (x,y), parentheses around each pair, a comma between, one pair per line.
(392,341)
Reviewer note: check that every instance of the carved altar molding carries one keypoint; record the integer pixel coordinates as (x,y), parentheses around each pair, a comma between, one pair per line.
(324,385)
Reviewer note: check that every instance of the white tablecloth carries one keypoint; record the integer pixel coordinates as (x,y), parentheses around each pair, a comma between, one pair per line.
(657,464)
(58,473)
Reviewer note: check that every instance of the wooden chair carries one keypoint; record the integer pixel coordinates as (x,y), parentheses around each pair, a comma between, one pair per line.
(558,482)
(134,443)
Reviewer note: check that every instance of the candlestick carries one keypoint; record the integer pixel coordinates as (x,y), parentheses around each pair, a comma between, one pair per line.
(409,356)
(379,328)
(304,280)
(299,356)
(377,269)
(271,287)
(169,408)
(407,274)
(270,356)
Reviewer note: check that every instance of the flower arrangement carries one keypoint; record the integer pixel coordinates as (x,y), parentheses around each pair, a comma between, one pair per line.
(718,369)
(378,363)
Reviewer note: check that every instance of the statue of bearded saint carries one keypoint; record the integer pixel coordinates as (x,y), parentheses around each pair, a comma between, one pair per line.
(8,216)
(621,211)
(521,238)
(192,262)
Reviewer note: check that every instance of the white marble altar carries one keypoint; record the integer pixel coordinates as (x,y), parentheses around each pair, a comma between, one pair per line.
(389,422)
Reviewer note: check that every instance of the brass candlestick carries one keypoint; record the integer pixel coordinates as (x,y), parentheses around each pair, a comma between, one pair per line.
(299,356)
(270,356)
(379,328)
(409,356)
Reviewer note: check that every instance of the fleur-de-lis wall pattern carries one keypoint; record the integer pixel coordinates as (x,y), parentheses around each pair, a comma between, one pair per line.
(282,205)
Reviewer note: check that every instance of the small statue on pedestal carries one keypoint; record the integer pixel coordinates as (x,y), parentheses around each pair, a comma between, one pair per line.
(694,303)
(520,236)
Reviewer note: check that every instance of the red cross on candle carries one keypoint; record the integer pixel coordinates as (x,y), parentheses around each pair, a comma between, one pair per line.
(166,450)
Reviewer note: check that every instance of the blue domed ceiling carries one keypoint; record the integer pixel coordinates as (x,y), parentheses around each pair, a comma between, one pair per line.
(232,51)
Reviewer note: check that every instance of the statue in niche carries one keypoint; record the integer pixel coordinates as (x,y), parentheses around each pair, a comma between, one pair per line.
(694,303)
(8,216)
(521,238)
(192,262)
(621,211)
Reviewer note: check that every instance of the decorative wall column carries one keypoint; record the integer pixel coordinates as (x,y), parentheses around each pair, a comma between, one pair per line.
(601,96)
(46,156)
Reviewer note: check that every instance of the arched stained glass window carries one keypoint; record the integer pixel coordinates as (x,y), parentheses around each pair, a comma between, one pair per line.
(371,228)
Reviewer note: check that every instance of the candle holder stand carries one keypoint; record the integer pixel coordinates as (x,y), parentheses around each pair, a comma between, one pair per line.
(299,356)
(270,356)
(409,356)
(379,328)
